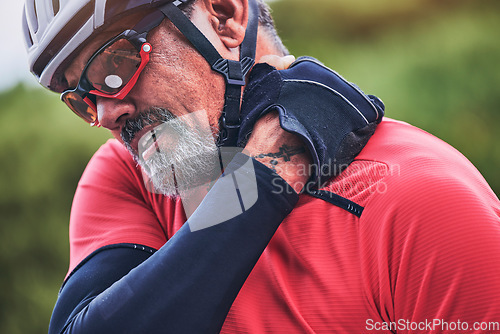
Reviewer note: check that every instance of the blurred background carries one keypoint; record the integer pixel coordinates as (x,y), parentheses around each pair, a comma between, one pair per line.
(435,63)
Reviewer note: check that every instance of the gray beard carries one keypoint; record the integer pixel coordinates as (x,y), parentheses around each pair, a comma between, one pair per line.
(185,157)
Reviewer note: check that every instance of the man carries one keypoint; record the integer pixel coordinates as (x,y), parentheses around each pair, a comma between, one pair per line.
(393,230)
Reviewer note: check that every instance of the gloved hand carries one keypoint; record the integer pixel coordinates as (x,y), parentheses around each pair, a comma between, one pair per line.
(332,116)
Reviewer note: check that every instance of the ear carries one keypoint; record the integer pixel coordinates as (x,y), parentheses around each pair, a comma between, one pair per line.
(229,20)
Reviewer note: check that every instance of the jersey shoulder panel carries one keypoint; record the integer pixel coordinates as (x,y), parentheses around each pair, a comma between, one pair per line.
(409,162)
(401,157)
(430,230)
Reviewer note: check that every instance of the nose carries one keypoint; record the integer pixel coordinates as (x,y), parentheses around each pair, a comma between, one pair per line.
(112,113)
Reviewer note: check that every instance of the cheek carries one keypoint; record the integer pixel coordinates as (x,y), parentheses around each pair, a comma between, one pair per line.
(180,79)
(190,83)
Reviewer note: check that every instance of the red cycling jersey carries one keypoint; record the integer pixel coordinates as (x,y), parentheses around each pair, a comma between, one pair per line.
(424,251)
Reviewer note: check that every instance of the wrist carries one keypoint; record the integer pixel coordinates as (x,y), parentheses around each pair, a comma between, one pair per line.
(283,152)
(294,170)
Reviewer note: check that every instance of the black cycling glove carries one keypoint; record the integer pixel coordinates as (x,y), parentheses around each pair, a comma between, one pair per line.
(333,117)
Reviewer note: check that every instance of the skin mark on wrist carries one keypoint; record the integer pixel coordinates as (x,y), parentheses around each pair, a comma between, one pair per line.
(285,152)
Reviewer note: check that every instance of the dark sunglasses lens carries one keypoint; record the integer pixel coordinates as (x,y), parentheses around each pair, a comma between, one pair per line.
(114,67)
(79,106)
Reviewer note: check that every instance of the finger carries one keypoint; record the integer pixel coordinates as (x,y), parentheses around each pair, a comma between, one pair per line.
(287,61)
(280,63)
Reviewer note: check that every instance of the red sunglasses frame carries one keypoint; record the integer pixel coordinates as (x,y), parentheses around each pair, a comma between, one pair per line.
(144,53)
(137,37)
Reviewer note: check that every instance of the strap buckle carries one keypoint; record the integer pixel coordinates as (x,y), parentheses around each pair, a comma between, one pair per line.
(229,132)
(234,71)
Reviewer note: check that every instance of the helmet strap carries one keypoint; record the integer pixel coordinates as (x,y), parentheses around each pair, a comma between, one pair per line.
(234,72)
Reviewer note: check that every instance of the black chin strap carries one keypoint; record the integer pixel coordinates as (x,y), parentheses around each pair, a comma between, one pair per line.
(234,72)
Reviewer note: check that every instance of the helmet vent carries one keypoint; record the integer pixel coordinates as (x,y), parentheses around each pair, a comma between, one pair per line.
(55,6)
(34,11)
(31,17)
(35,18)
(66,33)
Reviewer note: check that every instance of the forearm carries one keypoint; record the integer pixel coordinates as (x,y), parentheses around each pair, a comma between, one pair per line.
(188,286)
(283,152)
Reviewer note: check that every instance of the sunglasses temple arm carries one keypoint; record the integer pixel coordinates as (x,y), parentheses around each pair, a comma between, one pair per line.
(148,23)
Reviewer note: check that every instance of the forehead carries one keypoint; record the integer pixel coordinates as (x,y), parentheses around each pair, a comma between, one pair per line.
(76,66)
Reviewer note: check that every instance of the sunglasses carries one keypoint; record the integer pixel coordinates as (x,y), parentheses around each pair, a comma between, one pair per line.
(113,70)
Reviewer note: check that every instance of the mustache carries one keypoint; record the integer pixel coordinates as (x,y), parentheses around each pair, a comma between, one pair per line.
(148,117)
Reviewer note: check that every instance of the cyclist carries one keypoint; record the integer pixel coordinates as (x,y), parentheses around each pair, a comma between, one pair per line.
(342,220)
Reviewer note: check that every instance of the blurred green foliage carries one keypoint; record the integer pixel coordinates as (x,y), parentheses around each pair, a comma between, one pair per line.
(44,150)
(434,63)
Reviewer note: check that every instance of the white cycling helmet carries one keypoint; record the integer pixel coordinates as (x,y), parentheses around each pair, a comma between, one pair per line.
(55,29)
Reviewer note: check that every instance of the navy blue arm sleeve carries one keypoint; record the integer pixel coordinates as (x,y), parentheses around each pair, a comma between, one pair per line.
(188,285)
